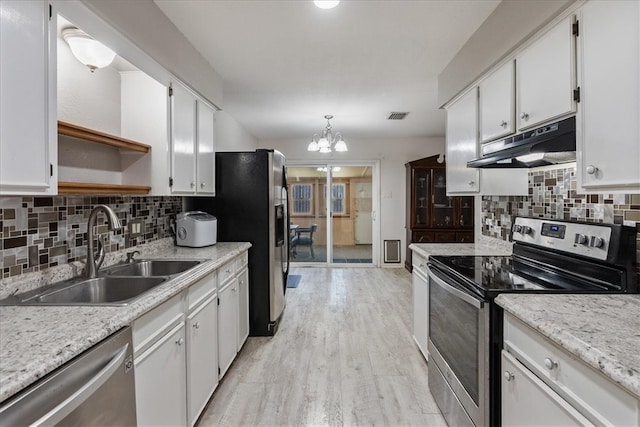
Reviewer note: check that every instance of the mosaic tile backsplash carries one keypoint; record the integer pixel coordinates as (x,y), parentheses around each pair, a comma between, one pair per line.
(41,232)
(553,194)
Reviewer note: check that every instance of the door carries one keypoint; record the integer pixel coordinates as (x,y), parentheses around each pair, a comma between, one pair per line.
(497,103)
(227,325)
(279,240)
(183,140)
(462,144)
(332,213)
(206,156)
(243,307)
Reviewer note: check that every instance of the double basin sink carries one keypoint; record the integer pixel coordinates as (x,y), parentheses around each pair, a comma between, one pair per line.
(117,285)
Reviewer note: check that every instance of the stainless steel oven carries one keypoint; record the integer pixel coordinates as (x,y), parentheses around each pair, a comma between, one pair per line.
(459,348)
(465,325)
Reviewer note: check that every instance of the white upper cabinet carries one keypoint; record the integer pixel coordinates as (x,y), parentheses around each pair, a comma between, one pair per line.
(497,103)
(545,77)
(28,122)
(462,144)
(608,119)
(192,144)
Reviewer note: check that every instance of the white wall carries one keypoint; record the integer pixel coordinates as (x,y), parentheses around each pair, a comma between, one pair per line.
(392,154)
(87,99)
(230,136)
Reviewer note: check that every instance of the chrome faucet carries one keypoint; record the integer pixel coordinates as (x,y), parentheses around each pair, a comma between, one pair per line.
(94,261)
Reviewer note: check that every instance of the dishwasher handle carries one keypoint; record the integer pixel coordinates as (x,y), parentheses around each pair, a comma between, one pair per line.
(67,406)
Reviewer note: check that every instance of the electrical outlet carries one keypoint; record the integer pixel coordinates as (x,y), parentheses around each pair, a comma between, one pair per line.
(135,227)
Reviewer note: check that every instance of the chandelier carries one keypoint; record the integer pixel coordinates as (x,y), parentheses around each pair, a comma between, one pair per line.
(329,141)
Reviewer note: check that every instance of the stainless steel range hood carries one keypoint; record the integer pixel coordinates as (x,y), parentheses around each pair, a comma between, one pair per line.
(547,145)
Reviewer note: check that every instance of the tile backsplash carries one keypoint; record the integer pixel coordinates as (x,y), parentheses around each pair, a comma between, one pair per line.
(553,194)
(41,232)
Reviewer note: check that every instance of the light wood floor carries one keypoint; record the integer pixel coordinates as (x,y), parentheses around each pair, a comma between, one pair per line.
(343,356)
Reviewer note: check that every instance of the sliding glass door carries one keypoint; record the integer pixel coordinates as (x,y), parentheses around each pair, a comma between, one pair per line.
(332,213)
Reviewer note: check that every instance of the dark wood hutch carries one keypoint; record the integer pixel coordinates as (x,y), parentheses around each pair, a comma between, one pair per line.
(431,215)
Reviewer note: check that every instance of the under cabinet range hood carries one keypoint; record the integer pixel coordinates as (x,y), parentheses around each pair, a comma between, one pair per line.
(547,145)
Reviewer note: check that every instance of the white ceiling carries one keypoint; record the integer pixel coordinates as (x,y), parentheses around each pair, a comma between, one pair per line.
(285,64)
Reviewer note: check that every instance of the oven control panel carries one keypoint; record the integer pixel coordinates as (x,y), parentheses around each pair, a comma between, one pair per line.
(591,240)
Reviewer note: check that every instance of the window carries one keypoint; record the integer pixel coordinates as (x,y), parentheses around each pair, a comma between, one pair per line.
(302,199)
(338,196)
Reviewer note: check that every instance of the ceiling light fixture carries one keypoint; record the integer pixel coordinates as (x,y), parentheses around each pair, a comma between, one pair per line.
(332,168)
(328,142)
(326,4)
(86,49)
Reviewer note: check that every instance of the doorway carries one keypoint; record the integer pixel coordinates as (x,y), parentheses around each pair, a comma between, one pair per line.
(332,213)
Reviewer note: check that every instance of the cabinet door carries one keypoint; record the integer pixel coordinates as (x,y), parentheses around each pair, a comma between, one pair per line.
(497,103)
(527,401)
(243,307)
(421,195)
(202,357)
(462,144)
(608,128)
(183,140)
(206,156)
(420,307)
(545,77)
(28,134)
(161,393)
(227,325)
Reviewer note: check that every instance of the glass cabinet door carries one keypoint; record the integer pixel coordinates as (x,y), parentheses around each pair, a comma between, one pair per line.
(421,197)
(443,208)
(465,216)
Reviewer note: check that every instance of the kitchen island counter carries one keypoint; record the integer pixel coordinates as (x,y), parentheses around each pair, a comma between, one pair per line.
(603,331)
(35,340)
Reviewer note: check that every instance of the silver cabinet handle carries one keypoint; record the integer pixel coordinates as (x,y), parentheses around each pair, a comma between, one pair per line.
(524,116)
(550,364)
(196,326)
(193,184)
(228,271)
(471,182)
(234,289)
(180,341)
(503,124)
(508,376)
(591,170)
(202,185)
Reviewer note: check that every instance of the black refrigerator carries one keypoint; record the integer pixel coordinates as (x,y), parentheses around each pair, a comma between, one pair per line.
(251,205)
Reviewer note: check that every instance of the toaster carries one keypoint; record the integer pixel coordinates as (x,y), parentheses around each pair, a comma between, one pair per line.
(196,229)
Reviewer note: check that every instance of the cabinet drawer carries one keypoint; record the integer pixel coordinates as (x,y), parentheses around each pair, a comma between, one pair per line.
(445,237)
(592,394)
(464,237)
(201,290)
(154,324)
(422,237)
(242,261)
(226,272)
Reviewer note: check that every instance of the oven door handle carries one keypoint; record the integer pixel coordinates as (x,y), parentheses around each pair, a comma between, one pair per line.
(455,291)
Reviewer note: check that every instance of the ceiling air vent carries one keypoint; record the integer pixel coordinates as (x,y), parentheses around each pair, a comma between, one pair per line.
(397,116)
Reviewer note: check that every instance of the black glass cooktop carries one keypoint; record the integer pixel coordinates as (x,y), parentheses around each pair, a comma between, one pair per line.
(491,275)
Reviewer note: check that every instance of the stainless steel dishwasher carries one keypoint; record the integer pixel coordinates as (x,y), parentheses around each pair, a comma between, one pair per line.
(96,388)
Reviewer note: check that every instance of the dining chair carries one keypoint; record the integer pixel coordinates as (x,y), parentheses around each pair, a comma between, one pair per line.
(304,237)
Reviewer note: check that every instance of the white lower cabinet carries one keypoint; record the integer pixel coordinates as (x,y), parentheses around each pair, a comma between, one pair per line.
(543,384)
(420,303)
(160,371)
(202,356)
(243,307)
(227,325)
(527,401)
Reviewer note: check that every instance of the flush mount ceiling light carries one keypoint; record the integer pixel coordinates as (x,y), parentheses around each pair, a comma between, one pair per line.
(326,4)
(324,169)
(86,49)
(328,142)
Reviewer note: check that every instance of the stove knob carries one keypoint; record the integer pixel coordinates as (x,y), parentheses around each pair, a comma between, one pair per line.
(517,228)
(526,229)
(597,242)
(581,239)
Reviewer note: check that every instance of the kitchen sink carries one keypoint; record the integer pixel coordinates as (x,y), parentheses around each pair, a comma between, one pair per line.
(101,291)
(148,268)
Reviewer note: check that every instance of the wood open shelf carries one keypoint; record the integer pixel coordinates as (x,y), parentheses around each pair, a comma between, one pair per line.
(94,188)
(75,131)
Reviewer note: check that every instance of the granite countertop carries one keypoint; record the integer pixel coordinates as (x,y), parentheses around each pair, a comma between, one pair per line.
(601,330)
(483,246)
(35,340)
